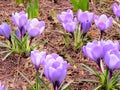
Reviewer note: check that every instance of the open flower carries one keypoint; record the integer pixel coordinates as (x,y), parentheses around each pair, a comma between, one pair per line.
(94,51)
(1,87)
(102,22)
(20,19)
(35,27)
(5,30)
(65,16)
(112,59)
(116,9)
(37,58)
(55,69)
(85,18)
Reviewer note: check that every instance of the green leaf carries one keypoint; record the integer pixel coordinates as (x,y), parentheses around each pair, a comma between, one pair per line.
(7,55)
(80,4)
(88,80)
(36,8)
(26,79)
(84,5)
(98,87)
(1,52)
(101,65)
(64,87)
(90,70)
(4,45)
(43,83)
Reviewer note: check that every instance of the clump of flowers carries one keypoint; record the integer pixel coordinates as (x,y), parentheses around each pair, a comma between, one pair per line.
(76,26)
(20,40)
(54,66)
(107,52)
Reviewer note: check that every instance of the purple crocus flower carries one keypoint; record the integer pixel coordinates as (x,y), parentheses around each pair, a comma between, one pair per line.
(35,27)
(102,22)
(65,16)
(109,45)
(55,69)
(116,9)
(70,26)
(5,30)
(112,59)
(94,51)
(1,87)
(85,18)
(37,58)
(17,32)
(20,19)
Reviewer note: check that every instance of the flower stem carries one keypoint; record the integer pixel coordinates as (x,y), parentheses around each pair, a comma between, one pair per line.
(37,81)
(101,34)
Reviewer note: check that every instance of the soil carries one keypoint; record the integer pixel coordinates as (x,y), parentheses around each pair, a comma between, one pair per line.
(9,69)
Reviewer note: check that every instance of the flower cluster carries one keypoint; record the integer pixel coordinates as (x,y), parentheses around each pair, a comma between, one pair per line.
(34,27)
(71,23)
(107,50)
(54,66)
(20,40)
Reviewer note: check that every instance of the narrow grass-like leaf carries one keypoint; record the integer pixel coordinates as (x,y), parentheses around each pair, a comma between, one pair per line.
(26,79)
(64,87)
(88,80)
(43,83)
(90,70)
(1,52)
(98,87)
(7,55)
(4,45)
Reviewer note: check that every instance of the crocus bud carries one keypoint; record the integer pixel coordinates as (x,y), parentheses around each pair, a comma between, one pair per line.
(5,30)
(37,58)
(20,19)
(55,69)
(102,22)
(112,59)
(94,51)
(17,32)
(35,27)
(1,87)
(70,26)
(116,9)
(85,18)
(65,16)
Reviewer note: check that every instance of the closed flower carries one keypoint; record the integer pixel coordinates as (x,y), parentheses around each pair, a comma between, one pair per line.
(20,19)
(37,58)
(112,59)
(116,9)
(65,16)
(5,30)
(85,18)
(94,51)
